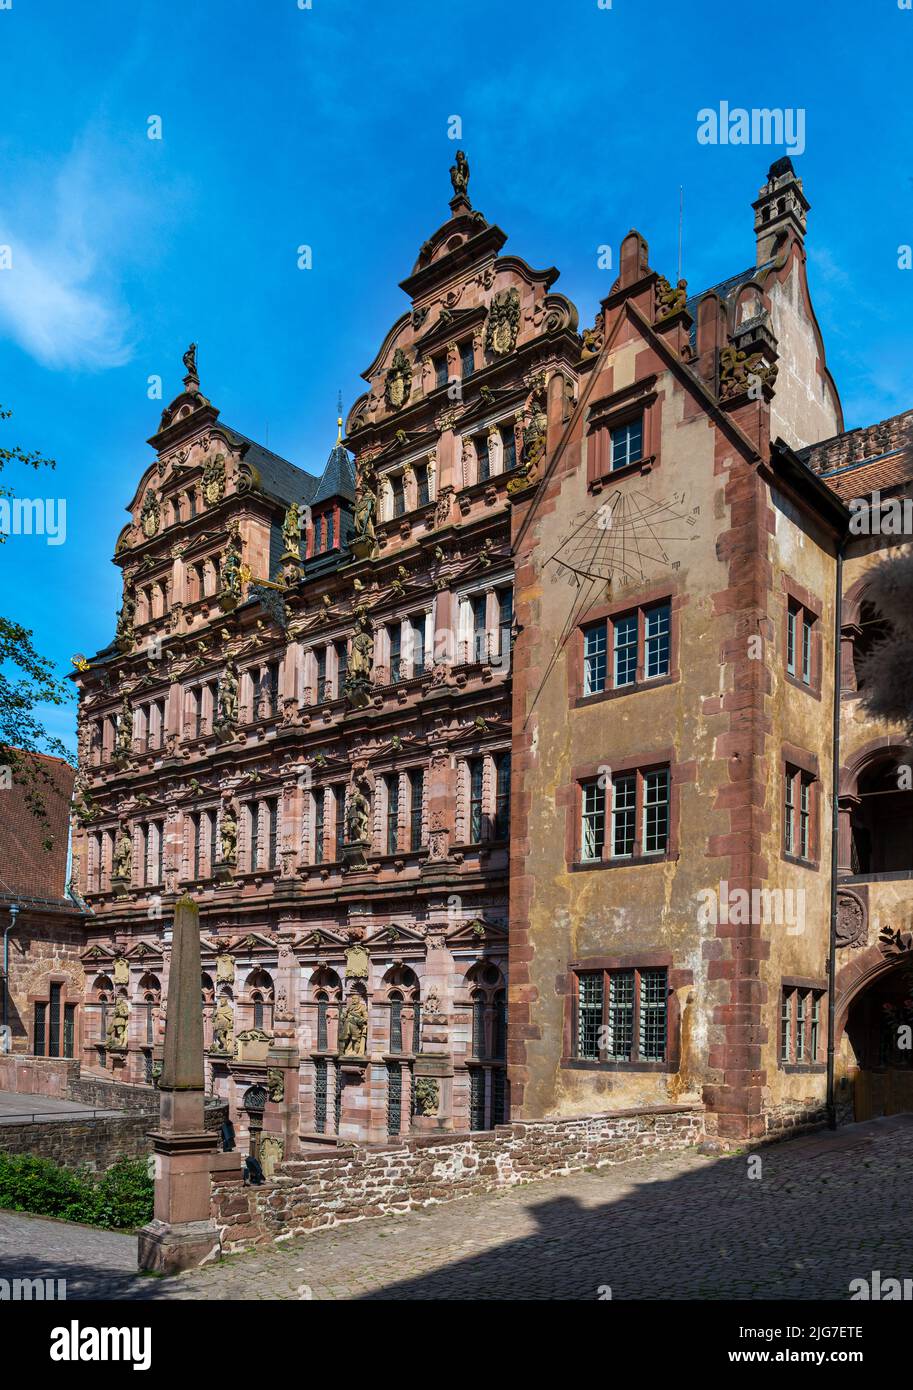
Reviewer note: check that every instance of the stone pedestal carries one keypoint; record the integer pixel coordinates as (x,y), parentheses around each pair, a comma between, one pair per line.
(355,1100)
(355,853)
(182,1233)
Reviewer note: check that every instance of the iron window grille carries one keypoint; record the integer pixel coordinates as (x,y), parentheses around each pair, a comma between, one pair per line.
(622,1015)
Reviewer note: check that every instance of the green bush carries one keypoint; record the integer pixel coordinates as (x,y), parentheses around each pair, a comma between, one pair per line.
(119,1199)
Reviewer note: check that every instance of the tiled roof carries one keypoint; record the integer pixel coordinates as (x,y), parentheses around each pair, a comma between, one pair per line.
(27,869)
(881,475)
(873,458)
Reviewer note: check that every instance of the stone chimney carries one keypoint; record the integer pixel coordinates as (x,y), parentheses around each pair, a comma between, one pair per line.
(779,212)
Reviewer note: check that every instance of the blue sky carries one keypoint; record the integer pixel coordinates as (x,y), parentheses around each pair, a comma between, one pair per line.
(328,126)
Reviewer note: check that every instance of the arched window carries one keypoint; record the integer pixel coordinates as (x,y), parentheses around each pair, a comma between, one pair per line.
(882,821)
(396,1022)
(323,1003)
(873,629)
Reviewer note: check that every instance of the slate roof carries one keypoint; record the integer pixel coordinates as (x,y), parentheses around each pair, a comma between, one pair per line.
(279,478)
(725,289)
(337,479)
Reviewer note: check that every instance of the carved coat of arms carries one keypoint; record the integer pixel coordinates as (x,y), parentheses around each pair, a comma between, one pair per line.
(151,513)
(503,322)
(214,479)
(398,381)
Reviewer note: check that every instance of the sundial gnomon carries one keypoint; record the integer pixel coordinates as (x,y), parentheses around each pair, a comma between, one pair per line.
(623,539)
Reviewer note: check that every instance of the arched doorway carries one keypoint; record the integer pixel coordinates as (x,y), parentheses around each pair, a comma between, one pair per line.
(876,1042)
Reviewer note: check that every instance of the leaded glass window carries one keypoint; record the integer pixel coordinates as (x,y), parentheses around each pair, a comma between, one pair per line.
(589,1014)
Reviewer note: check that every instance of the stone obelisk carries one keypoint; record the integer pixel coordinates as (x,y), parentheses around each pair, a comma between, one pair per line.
(182,1233)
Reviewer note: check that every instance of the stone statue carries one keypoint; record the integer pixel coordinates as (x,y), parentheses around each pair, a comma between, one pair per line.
(365,512)
(223,1028)
(122,866)
(190,363)
(459,175)
(353,1028)
(116,1033)
(228,694)
(124,744)
(125,621)
(358,812)
(361,656)
(230,578)
(228,835)
(291,531)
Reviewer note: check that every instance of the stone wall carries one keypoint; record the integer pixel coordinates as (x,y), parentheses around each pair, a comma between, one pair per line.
(63,1079)
(351,1183)
(81,1142)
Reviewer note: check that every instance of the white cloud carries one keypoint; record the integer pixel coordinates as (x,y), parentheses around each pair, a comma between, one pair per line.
(56,298)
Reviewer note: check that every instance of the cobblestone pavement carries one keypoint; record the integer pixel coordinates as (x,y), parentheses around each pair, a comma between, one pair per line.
(824,1210)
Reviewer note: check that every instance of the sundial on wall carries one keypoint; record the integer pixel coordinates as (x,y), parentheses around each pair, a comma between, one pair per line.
(619,543)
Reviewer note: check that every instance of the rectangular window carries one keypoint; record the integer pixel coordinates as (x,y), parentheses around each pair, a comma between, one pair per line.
(416,803)
(440,370)
(508,448)
(320,1095)
(418,644)
(483,458)
(589,1014)
(69,1029)
(594,659)
(213,840)
(342,665)
(54,1022)
(622,1015)
(801,1021)
(319,824)
(320,667)
(253,831)
(479,627)
(396,662)
(798,808)
(627,443)
(505,621)
(467,358)
(815,1028)
(330,529)
(398,491)
(786,1027)
(593,828)
(394,1098)
(657,630)
(620,1018)
(392,784)
(502,796)
(800,625)
(800,1025)
(272,831)
(625,650)
(318,535)
(476,784)
(197,824)
(656,811)
(422,492)
(40,1017)
(624,815)
(339,806)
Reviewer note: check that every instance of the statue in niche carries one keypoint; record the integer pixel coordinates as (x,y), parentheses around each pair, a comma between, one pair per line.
(122,866)
(291,531)
(358,811)
(361,656)
(228,694)
(116,1032)
(459,175)
(353,1028)
(228,835)
(124,745)
(230,578)
(223,1028)
(126,619)
(365,512)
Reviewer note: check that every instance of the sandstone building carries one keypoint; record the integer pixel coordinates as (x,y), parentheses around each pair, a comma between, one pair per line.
(511,700)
